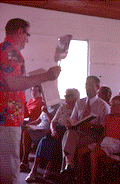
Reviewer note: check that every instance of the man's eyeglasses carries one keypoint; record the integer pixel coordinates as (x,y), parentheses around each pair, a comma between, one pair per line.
(28,35)
(33,90)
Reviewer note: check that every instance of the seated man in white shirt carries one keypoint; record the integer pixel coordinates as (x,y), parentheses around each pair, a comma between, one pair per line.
(87,132)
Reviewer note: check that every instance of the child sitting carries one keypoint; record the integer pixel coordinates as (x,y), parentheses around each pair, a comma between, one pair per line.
(109,142)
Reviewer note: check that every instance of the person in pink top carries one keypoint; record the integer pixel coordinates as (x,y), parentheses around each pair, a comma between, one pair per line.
(109,142)
(33,109)
(33,106)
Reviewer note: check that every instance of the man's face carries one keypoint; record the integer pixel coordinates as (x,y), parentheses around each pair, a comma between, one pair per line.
(115,109)
(91,88)
(24,38)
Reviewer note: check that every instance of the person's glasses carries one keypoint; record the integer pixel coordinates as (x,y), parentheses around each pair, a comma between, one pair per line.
(68,95)
(28,35)
(33,90)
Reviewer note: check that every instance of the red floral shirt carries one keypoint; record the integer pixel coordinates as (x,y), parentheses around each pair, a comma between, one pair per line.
(11,103)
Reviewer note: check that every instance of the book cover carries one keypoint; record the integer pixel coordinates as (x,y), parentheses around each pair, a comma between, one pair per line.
(86,119)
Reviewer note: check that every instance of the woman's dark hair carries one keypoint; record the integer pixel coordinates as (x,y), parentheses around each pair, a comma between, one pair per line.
(13,25)
(37,86)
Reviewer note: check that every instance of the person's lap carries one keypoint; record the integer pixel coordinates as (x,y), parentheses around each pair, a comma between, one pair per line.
(73,139)
(48,147)
(9,154)
(37,135)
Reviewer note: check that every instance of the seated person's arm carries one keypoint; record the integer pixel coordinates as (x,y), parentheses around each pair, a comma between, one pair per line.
(36,122)
(26,113)
(44,108)
(53,129)
(101,137)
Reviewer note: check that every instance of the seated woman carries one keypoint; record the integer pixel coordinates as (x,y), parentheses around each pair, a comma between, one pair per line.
(108,144)
(49,146)
(33,106)
(29,135)
(32,111)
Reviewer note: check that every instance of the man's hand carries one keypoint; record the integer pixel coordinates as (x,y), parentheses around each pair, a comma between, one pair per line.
(44,109)
(67,123)
(53,72)
(54,134)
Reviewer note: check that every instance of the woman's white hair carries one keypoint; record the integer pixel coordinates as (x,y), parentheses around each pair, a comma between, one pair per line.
(73,91)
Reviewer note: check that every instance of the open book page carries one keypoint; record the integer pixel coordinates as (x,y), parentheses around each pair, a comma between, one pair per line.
(115,157)
(50,93)
(35,127)
(86,119)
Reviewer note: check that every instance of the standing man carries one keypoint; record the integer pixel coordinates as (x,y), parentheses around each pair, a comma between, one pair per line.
(88,132)
(13,82)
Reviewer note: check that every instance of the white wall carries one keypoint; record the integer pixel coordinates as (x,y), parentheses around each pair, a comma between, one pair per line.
(47,25)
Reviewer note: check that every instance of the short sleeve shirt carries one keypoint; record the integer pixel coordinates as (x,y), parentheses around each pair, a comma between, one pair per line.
(34,108)
(11,103)
(112,126)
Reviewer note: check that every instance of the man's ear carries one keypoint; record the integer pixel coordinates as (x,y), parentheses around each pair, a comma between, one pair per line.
(98,87)
(20,32)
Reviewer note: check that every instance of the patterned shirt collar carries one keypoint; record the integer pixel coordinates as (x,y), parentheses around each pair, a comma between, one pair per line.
(7,39)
